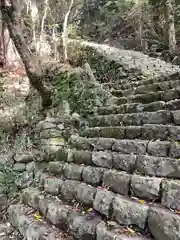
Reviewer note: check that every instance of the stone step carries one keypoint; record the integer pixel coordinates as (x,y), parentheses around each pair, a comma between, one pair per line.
(143,89)
(137,119)
(31,227)
(155,166)
(145,132)
(139,107)
(83,190)
(127,146)
(113,206)
(80,223)
(149,97)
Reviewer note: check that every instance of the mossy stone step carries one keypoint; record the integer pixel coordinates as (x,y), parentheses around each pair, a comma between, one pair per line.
(138,119)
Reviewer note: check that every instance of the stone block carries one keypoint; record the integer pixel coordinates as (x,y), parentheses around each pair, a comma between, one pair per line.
(175,150)
(73,171)
(103,144)
(174,133)
(158,166)
(163,224)
(118,182)
(68,189)
(23,158)
(19,167)
(171,194)
(93,175)
(83,228)
(85,194)
(125,162)
(133,132)
(103,202)
(108,233)
(127,212)
(158,148)
(56,168)
(80,157)
(145,187)
(176,117)
(112,132)
(102,159)
(150,131)
(130,146)
(52,185)
(31,197)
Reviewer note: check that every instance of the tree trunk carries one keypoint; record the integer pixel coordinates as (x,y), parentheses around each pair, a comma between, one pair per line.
(34,72)
(171,27)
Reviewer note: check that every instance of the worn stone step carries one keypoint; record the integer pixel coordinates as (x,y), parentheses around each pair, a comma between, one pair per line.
(149,97)
(138,119)
(31,227)
(139,107)
(81,225)
(127,146)
(146,132)
(70,183)
(143,89)
(156,166)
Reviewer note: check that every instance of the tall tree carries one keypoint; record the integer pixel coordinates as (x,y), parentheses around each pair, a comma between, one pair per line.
(10,15)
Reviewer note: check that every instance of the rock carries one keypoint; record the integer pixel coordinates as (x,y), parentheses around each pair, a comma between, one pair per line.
(117,181)
(103,202)
(25,180)
(176,117)
(163,224)
(80,157)
(23,158)
(73,171)
(31,197)
(56,168)
(102,159)
(146,187)
(19,167)
(51,133)
(158,166)
(130,146)
(83,228)
(127,212)
(93,175)
(30,166)
(171,194)
(124,162)
(174,150)
(103,144)
(158,148)
(85,194)
(52,185)
(68,189)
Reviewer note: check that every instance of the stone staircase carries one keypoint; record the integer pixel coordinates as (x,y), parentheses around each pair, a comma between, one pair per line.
(119,178)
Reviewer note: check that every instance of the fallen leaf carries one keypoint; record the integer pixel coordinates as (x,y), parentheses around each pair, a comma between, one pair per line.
(142,201)
(130,230)
(89,210)
(37,216)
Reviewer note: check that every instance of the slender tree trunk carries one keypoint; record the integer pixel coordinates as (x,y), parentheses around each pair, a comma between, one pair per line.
(34,72)
(65,31)
(171,27)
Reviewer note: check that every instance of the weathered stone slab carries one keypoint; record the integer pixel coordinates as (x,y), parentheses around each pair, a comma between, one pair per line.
(23,158)
(133,132)
(175,150)
(174,133)
(171,194)
(58,214)
(73,171)
(158,148)
(93,175)
(80,143)
(56,168)
(158,166)
(164,224)
(83,228)
(68,189)
(103,144)
(117,181)
(125,162)
(127,212)
(146,187)
(80,157)
(102,159)
(176,117)
(85,194)
(130,146)
(19,167)
(103,202)
(31,197)
(112,132)
(52,185)
(132,119)
(151,131)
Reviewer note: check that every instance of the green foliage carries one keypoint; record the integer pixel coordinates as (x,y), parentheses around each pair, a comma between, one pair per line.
(81,95)
(8,178)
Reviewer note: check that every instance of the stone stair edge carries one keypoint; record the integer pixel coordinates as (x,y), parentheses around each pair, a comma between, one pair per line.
(133,186)
(142,219)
